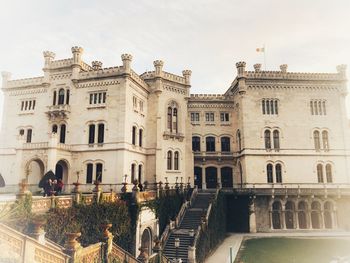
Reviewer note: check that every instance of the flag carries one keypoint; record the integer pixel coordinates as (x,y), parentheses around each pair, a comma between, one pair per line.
(261,49)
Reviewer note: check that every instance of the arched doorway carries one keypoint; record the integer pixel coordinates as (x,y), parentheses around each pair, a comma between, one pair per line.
(34,171)
(328,211)
(61,171)
(146,241)
(198,177)
(302,208)
(2,181)
(316,215)
(211,174)
(289,215)
(226,177)
(276,215)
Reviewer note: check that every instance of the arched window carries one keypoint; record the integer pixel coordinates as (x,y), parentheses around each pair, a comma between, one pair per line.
(175,120)
(91,133)
(289,214)
(317,140)
(276,215)
(210,143)
(329,175)
(196,144)
(101,133)
(169,119)
(133,138)
(325,140)
(21,132)
(239,141)
(29,135)
(276,139)
(176,161)
(269,172)
(267,136)
(63,133)
(133,166)
(278,168)
(140,174)
(89,171)
(54,98)
(68,94)
(169,160)
(320,173)
(225,144)
(99,170)
(61,97)
(54,128)
(140,137)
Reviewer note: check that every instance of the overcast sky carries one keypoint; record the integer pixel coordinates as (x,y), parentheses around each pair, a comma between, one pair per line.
(206,36)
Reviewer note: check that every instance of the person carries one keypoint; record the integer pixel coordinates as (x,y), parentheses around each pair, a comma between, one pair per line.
(47,188)
(59,186)
(140,186)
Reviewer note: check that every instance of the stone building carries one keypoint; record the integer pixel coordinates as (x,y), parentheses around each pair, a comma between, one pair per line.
(279,137)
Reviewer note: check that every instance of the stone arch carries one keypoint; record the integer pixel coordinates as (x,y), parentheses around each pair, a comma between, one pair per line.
(146,241)
(62,170)
(316,219)
(289,214)
(211,175)
(34,170)
(302,214)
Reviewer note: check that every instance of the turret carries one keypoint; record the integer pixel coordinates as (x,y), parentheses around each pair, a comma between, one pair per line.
(158,66)
(257,67)
(187,75)
(76,66)
(241,74)
(127,58)
(6,76)
(341,69)
(48,58)
(284,68)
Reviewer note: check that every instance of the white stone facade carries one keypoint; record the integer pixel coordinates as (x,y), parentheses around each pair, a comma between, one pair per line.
(111,122)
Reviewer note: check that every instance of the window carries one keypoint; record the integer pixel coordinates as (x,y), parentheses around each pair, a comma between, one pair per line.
(141,105)
(134,102)
(28,105)
(169,160)
(239,142)
(68,94)
(225,144)
(91,133)
(29,135)
(175,120)
(278,169)
(318,107)
(325,140)
(54,128)
(140,173)
(269,106)
(140,137)
(269,171)
(97,98)
(89,171)
(133,138)
(54,98)
(194,116)
(61,97)
(267,136)
(133,166)
(63,133)
(169,119)
(276,139)
(317,140)
(224,117)
(196,144)
(101,133)
(21,132)
(176,161)
(99,172)
(320,173)
(210,143)
(209,116)
(329,173)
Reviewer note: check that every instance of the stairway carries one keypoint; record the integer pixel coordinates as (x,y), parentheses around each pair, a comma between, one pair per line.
(191,220)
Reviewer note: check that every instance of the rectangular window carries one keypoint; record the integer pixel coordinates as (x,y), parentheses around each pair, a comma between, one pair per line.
(89,171)
(269,106)
(134,102)
(97,98)
(194,116)
(101,133)
(91,133)
(224,116)
(209,116)
(29,135)
(318,107)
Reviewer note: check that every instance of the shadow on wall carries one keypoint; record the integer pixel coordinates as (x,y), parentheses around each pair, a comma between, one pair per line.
(2,181)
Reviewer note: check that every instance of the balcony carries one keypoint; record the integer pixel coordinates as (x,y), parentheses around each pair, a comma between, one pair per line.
(172,135)
(219,156)
(58,112)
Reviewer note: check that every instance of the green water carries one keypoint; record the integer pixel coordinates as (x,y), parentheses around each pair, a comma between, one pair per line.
(293,250)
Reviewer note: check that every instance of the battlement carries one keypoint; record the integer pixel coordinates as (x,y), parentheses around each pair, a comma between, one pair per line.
(208,97)
(166,75)
(61,63)
(18,83)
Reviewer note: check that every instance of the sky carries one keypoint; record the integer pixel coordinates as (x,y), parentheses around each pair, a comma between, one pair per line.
(206,36)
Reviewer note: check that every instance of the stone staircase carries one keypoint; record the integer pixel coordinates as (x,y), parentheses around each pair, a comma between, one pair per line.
(191,220)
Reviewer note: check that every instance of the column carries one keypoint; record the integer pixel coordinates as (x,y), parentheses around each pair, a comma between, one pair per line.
(219,177)
(252,216)
(283,217)
(204,179)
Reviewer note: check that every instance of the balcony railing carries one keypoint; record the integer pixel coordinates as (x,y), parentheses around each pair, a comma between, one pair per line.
(58,111)
(214,155)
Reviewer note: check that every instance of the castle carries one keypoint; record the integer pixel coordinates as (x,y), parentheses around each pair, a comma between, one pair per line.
(282,137)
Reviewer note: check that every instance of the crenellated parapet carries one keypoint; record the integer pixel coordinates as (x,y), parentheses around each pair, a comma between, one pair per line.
(21,83)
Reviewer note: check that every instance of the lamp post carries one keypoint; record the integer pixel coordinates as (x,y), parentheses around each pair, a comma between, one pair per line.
(177,245)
